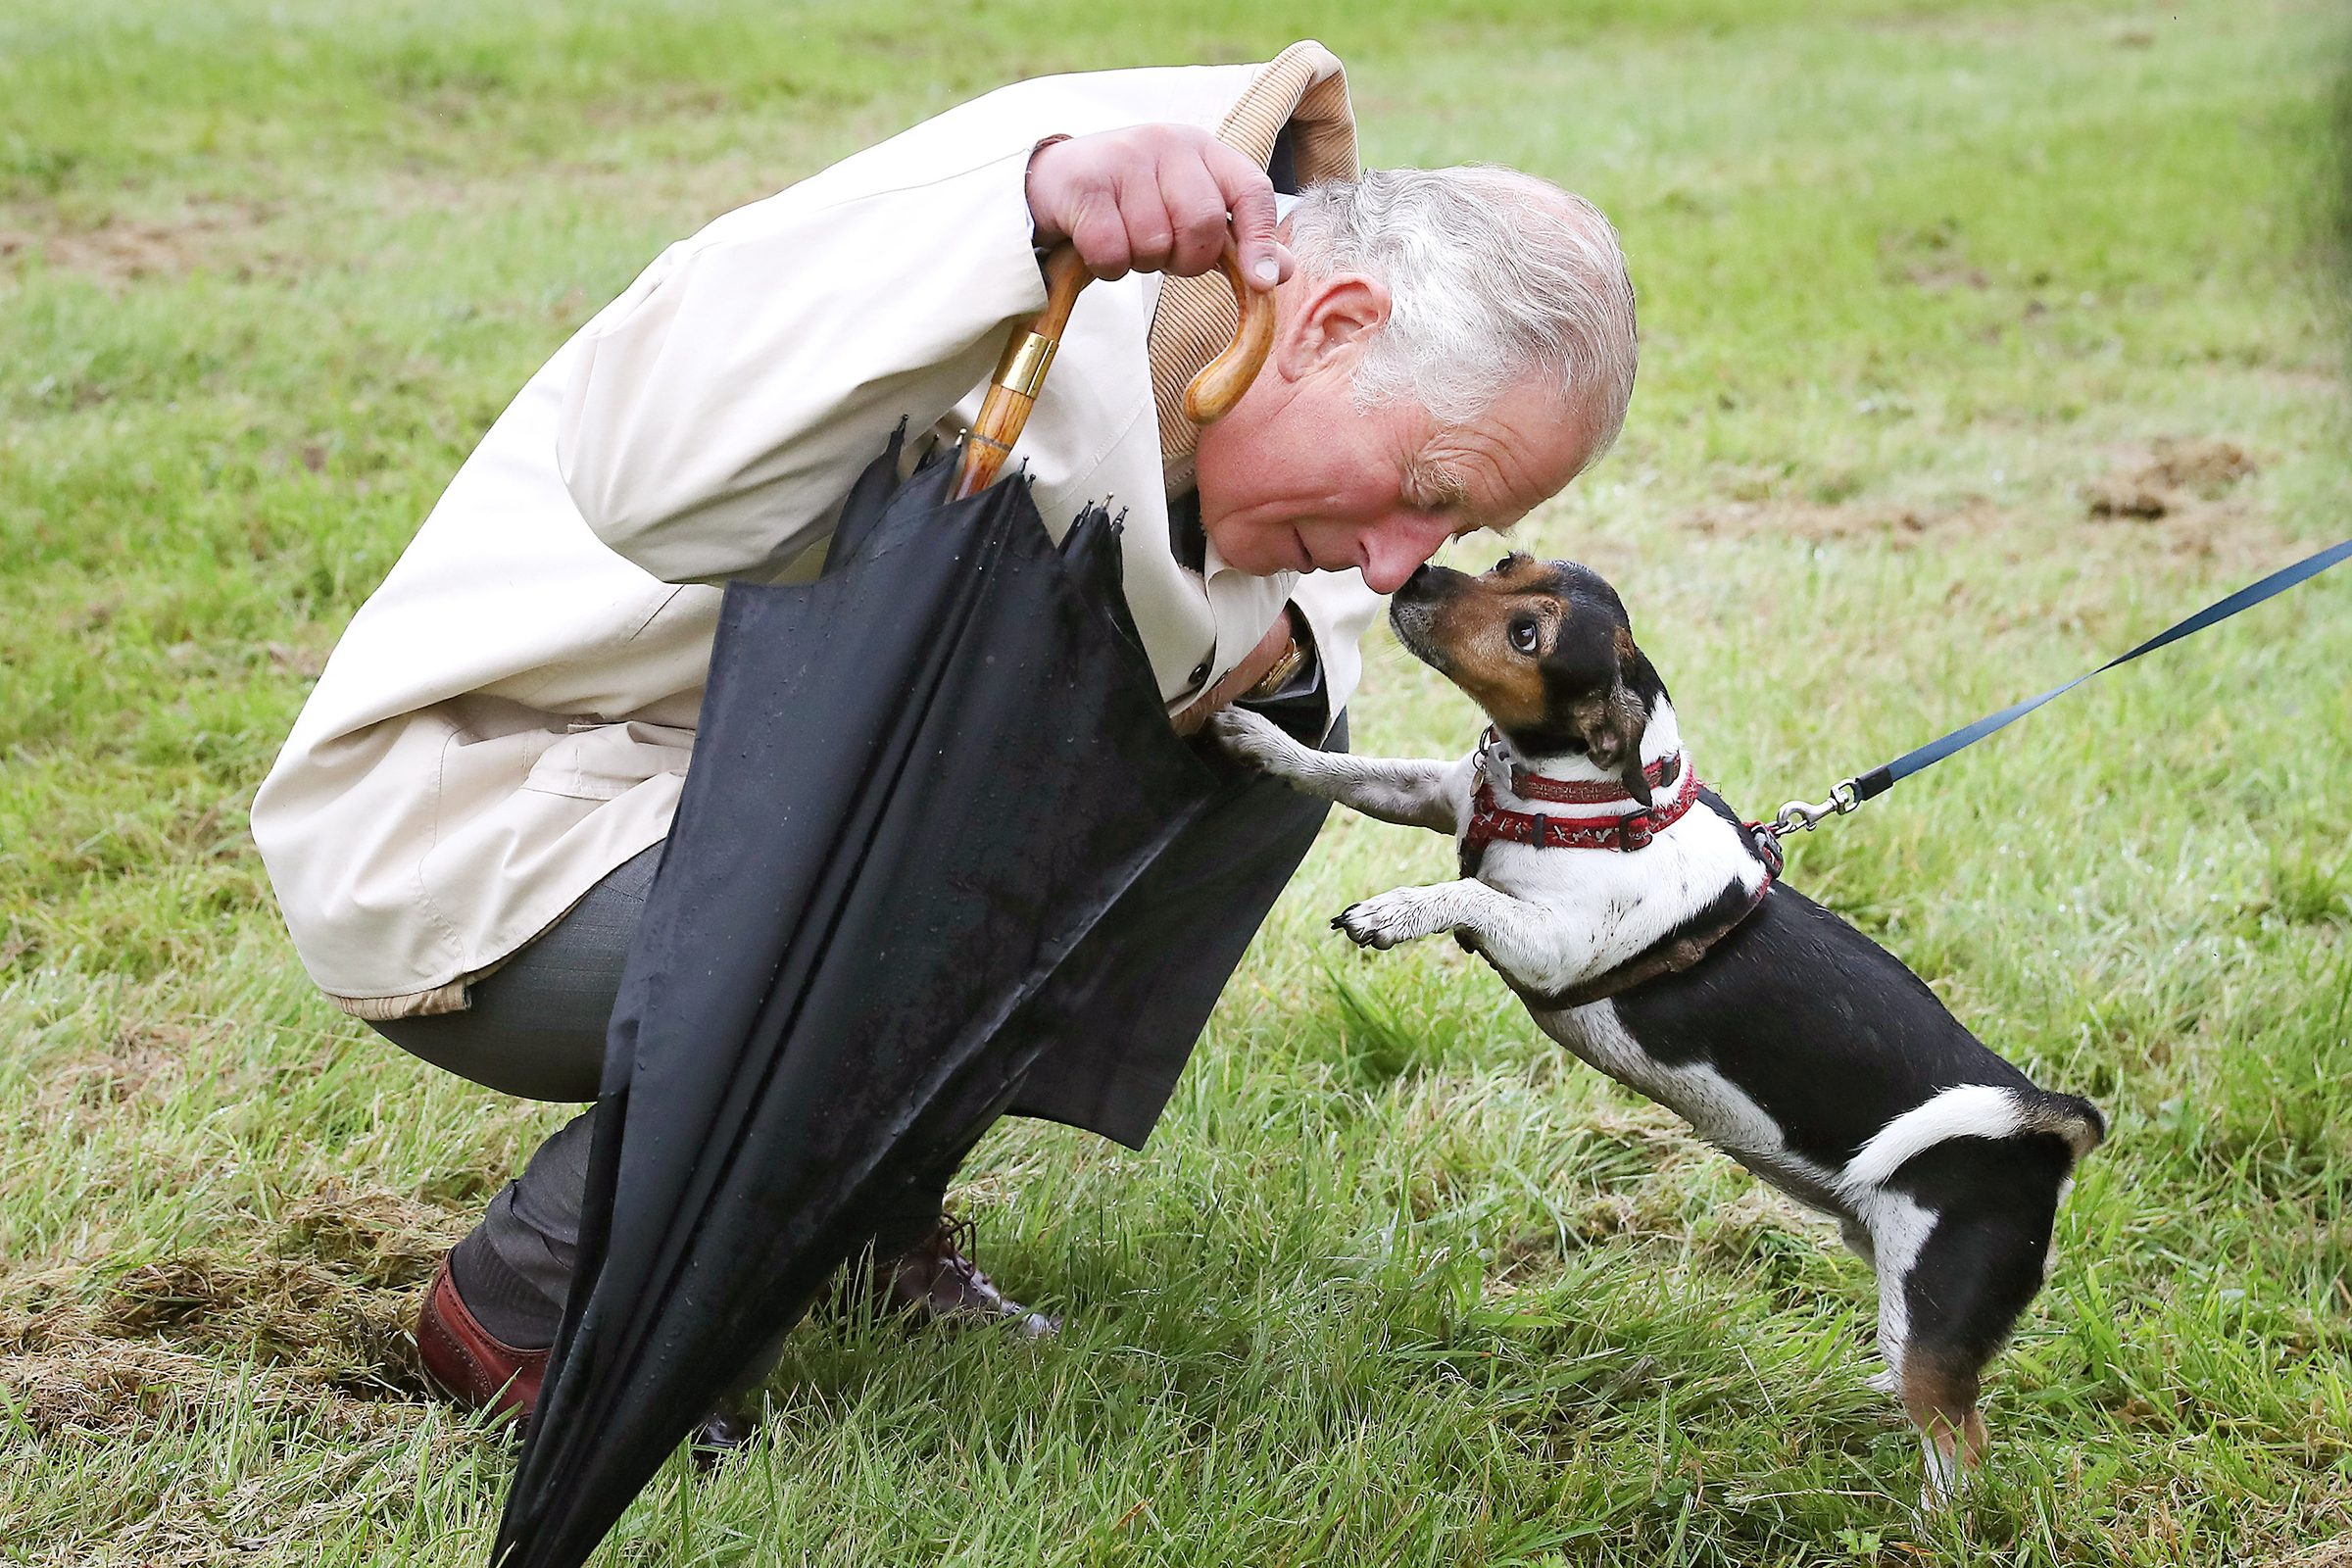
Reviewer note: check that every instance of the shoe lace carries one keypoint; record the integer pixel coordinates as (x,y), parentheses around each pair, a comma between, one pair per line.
(956,1242)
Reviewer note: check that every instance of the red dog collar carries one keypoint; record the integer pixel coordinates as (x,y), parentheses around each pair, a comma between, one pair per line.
(1574,792)
(1491,823)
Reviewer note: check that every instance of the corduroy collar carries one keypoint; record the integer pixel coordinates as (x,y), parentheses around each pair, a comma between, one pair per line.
(1304,90)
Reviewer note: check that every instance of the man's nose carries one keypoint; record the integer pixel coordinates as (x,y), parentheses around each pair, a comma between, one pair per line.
(1399,547)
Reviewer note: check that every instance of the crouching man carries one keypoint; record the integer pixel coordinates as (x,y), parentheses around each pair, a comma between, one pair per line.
(465,823)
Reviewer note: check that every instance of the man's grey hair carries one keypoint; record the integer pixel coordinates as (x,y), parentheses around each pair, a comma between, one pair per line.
(1494,278)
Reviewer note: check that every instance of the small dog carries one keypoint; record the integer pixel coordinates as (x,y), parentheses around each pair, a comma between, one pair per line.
(1649,933)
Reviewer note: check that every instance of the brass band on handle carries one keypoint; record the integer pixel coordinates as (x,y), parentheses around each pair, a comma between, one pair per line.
(1029,353)
(1026,360)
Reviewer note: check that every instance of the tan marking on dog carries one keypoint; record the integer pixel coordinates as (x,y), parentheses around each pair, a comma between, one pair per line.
(1473,627)
(1611,726)
(1942,1400)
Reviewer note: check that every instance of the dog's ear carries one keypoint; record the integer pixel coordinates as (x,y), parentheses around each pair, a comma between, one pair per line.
(1614,722)
(1612,726)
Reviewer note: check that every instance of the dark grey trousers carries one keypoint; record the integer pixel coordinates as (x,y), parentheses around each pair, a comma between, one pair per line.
(1157,962)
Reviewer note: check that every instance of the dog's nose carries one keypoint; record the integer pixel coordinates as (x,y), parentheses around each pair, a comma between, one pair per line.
(1419,579)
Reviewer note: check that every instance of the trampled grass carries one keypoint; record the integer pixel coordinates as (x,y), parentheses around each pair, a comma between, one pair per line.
(1981,340)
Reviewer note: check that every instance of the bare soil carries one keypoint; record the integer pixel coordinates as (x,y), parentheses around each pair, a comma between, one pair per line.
(117,249)
(322,1314)
(2169,477)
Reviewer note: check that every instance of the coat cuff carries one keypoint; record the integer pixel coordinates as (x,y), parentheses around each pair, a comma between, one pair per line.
(1298,705)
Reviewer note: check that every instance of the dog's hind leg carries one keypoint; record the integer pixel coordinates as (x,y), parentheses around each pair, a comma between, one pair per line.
(1939,1395)
(1970,1277)
(1935,1380)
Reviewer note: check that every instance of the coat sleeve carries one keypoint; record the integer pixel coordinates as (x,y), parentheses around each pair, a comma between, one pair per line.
(714,415)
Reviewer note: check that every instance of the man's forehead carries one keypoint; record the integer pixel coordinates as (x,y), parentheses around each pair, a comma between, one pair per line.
(1500,467)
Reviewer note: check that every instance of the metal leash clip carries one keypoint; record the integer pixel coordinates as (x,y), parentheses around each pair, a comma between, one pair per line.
(1801,815)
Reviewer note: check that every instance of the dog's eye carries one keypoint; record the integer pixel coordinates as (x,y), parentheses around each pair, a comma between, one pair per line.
(1504,564)
(1523,636)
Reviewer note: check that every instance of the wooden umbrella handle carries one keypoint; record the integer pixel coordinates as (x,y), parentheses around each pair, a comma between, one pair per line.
(1021,373)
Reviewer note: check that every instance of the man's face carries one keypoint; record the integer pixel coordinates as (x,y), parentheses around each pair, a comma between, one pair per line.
(1295,479)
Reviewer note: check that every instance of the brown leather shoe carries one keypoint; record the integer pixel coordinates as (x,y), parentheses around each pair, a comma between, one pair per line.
(477,1371)
(936,1281)
(471,1367)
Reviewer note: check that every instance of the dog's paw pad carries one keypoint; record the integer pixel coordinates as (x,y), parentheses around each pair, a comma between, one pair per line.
(1380,922)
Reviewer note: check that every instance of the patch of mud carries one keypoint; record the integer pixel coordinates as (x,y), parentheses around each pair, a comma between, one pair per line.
(2169,477)
(116,249)
(1943,279)
(1823,520)
(317,1322)
(2300,379)
(2198,515)
(1933,259)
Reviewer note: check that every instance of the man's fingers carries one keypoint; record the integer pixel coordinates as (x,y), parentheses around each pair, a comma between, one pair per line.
(1250,197)
(1197,208)
(1151,232)
(1154,199)
(1100,234)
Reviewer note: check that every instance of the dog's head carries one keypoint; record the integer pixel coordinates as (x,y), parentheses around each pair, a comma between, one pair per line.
(1544,647)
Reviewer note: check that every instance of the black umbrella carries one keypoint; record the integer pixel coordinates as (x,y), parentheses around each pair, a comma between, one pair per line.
(917,782)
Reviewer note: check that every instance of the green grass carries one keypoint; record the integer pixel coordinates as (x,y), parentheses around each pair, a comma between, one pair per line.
(1396,1281)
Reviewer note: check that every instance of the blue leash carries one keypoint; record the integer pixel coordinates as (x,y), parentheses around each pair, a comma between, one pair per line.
(1852,792)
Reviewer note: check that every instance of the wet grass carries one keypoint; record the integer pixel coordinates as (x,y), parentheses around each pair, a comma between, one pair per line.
(1980,341)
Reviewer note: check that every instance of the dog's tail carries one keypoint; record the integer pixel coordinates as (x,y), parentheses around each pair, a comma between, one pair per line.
(1973,1110)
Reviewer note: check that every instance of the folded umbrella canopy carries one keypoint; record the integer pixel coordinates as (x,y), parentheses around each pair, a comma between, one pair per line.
(918,783)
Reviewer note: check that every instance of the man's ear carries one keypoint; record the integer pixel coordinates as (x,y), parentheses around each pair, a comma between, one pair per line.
(1336,319)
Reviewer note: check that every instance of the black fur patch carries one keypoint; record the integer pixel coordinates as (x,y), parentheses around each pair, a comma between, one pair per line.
(1824,1029)
(1995,1200)
(1583,662)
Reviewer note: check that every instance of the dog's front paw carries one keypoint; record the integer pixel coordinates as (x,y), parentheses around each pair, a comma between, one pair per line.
(1385,919)
(1252,740)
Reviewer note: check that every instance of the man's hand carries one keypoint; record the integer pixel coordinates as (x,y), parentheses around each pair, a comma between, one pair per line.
(1155,199)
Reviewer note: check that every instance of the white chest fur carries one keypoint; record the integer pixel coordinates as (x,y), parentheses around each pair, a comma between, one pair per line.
(1606,907)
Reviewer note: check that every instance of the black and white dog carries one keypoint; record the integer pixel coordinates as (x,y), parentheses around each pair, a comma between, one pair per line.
(1647,931)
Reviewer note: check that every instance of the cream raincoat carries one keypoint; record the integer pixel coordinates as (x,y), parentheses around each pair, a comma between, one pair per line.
(511,714)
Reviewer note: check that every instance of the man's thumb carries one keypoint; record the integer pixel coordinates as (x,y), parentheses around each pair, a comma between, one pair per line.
(1250,198)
